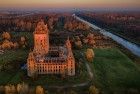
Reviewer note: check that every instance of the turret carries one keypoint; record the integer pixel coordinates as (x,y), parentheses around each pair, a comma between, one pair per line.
(70,59)
(68,44)
(31,66)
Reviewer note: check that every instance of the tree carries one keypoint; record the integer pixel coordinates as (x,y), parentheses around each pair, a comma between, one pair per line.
(7,44)
(91,42)
(10,89)
(29,26)
(6,35)
(15,45)
(50,23)
(23,41)
(85,40)
(93,90)
(77,38)
(78,44)
(19,86)
(39,90)
(2,89)
(89,54)
(72,92)
(90,36)
(22,88)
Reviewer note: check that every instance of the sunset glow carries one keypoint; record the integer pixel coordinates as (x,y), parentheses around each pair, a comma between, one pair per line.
(70,3)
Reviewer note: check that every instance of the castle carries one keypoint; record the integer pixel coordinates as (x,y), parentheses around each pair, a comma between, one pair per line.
(46,59)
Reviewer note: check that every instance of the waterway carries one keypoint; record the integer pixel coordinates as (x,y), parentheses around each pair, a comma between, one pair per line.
(135,49)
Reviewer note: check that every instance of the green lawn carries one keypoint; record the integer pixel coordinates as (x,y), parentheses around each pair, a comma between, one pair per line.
(114,72)
(17,75)
(13,55)
(12,58)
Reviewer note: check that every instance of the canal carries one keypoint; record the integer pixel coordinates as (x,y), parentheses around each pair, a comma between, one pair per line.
(135,49)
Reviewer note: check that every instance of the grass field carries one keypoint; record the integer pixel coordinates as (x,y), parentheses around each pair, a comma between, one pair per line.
(11,57)
(16,76)
(114,72)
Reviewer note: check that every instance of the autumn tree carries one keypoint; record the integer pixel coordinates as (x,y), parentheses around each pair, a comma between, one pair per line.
(89,54)
(39,90)
(23,42)
(7,44)
(15,45)
(22,88)
(93,90)
(85,40)
(91,42)
(28,26)
(19,86)
(10,89)
(90,36)
(78,44)
(6,35)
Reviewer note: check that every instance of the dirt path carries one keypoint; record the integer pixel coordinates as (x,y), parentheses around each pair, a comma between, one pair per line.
(80,84)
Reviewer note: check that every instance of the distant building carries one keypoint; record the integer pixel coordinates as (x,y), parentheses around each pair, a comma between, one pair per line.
(45,59)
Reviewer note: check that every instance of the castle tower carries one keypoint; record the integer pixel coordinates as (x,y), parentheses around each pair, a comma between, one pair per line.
(31,66)
(41,39)
(70,59)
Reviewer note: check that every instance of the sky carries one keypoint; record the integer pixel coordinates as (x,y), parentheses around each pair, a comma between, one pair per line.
(69,3)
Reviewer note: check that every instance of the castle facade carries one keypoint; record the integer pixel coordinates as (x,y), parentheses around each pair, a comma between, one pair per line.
(46,59)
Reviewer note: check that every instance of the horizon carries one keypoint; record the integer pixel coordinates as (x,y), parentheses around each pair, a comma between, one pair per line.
(73,9)
(70,4)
